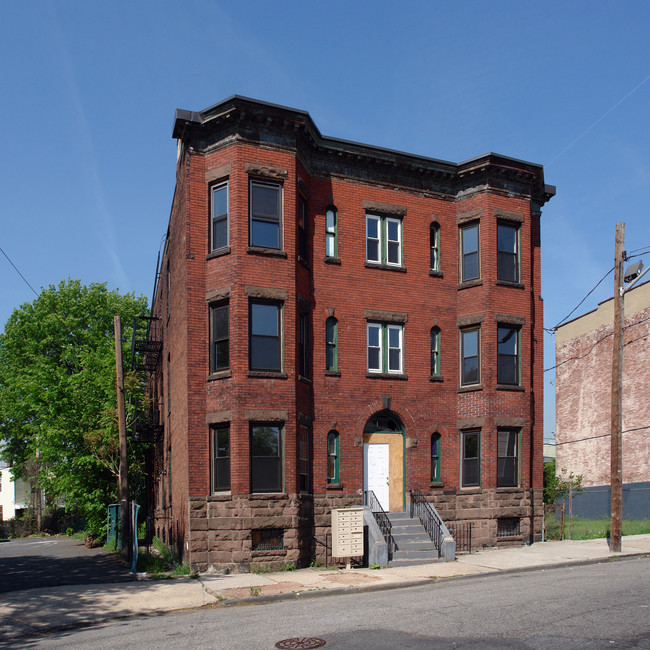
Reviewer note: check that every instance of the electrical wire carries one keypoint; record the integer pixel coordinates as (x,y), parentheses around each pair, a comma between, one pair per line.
(19,273)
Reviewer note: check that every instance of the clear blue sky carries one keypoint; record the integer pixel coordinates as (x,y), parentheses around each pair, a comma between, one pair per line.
(89,91)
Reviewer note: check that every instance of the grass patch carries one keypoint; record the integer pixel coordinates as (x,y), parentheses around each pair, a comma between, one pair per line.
(594,528)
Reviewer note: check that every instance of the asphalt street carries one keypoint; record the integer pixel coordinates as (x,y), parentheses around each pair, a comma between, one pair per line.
(35,562)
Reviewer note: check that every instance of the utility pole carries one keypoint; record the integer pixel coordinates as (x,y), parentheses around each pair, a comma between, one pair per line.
(616,480)
(121,413)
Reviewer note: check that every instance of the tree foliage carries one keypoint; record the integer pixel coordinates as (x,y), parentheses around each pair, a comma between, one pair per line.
(58,404)
(557,486)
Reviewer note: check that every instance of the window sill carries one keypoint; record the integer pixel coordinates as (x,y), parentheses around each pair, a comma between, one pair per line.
(335,486)
(332,260)
(221,374)
(470,283)
(470,389)
(267,252)
(220,496)
(474,489)
(436,378)
(304,380)
(436,484)
(517,388)
(332,373)
(218,253)
(268,374)
(508,283)
(435,274)
(506,489)
(266,495)
(385,267)
(386,375)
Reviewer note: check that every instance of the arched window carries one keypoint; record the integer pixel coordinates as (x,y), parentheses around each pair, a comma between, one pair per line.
(434,245)
(384,422)
(435,352)
(331,344)
(333,457)
(435,457)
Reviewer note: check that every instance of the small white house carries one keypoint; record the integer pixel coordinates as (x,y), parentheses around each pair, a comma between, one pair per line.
(14,495)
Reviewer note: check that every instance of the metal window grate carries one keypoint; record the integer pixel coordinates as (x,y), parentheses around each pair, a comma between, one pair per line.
(267,539)
(508,526)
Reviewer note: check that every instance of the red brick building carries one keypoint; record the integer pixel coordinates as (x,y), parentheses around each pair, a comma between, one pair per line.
(583,384)
(338,317)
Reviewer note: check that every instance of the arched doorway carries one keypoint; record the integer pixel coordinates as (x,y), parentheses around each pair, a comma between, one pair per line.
(383,460)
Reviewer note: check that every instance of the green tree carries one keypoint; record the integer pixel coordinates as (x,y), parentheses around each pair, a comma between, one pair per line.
(557,486)
(58,404)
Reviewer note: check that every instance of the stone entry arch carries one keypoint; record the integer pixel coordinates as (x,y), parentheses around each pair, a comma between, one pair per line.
(384,443)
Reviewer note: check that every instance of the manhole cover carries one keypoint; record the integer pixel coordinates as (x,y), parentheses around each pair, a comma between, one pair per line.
(301,642)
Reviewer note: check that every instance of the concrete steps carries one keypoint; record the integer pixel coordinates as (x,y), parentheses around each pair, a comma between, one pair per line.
(413,543)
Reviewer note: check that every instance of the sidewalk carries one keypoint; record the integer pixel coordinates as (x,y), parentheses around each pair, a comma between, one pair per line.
(38,610)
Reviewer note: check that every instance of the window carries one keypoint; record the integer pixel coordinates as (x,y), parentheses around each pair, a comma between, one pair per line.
(507,355)
(331,344)
(435,457)
(219,338)
(266,457)
(434,245)
(303,458)
(303,345)
(264,343)
(331,232)
(302,228)
(220,457)
(435,352)
(333,457)
(470,267)
(383,240)
(470,367)
(471,454)
(507,458)
(508,527)
(219,210)
(507,252)
(267,539)
(385,344)
(169,288)
(169,385)
(265,211)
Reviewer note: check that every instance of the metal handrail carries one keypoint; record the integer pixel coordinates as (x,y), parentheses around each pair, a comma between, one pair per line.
(371,500)
(428,517)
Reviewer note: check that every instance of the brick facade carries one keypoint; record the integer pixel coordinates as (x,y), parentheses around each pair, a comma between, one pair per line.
(240,142)
(583,381)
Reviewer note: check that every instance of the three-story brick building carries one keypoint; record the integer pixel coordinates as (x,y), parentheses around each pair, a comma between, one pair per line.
(338,317)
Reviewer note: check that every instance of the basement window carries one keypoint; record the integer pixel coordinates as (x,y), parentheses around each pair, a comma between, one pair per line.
(267,539)
(508,527)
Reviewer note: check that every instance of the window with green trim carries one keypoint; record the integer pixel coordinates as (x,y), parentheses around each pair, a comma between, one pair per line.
(331,344)
(333,457)
(385,347)
(434,247)
(331,232)
(435,352)
(383,240)
(470,259)
(435,457)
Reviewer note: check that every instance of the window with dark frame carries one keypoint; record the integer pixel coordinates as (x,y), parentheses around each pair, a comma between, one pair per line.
(219,210)
(265,214)
(331,232)
(304,458)
(470,341)
(267,539)
(219,337)
(508,527)
(470,262)
(266,457)
(303,345)
(434,247)
(435,351)
(507,457)
(302,228)
(333,457)
(471,458)
(435,457)
(508,355)
(265,331)
(383,240)
(385,345)
(507,252)
(220,457)
(331,344)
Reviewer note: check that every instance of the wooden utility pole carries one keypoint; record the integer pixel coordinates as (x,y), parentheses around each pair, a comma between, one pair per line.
(121,414)
(616,480)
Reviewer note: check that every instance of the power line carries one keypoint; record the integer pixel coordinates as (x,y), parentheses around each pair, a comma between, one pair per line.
(19,273)
(602,435)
